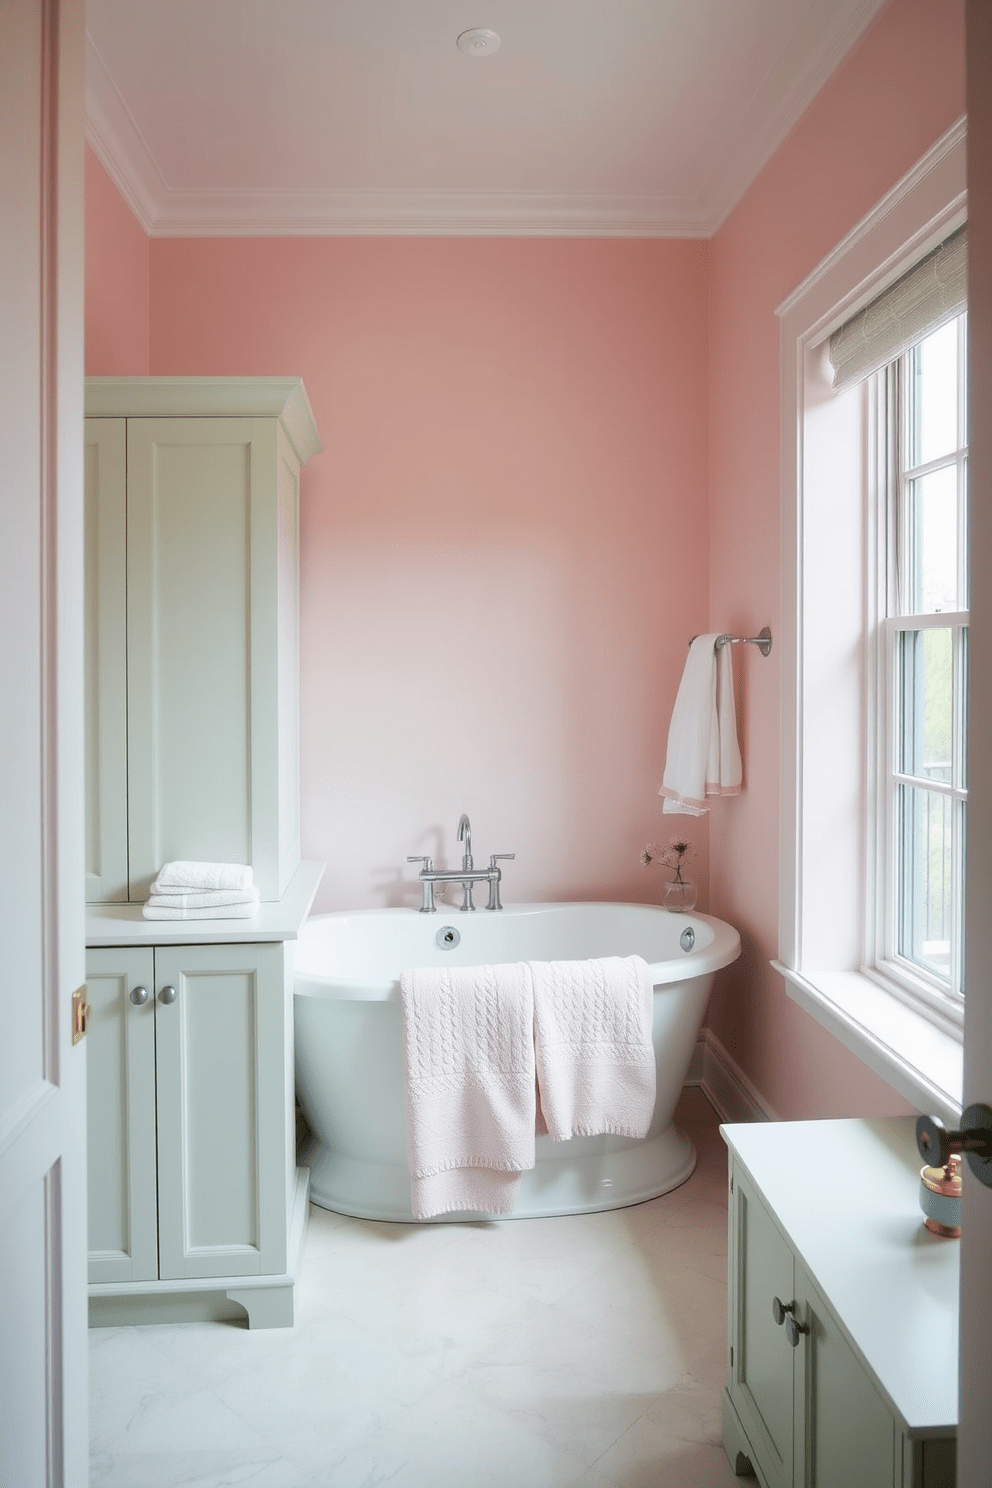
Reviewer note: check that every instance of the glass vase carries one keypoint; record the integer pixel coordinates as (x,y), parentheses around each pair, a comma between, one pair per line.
(680,895)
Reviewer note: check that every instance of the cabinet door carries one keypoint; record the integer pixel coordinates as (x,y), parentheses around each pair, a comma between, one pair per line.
(761,1376)
(106,661)
(189,597)
(850,1435)
(120,1055)
(222,1110)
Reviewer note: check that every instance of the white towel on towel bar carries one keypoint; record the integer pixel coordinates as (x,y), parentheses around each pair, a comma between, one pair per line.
(595,1057)
(704,757)
(468,1047)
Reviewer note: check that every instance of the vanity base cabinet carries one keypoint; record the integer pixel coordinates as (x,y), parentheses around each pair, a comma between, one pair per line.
(803,1406)
(193,1186)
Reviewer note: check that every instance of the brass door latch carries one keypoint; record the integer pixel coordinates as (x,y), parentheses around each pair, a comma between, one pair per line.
(80,1013)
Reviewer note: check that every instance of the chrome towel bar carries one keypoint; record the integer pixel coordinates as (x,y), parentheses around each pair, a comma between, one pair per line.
(763,640)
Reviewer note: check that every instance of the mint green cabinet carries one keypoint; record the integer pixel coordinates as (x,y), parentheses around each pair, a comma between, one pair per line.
(192,627)
(842,1312)
(192,1169)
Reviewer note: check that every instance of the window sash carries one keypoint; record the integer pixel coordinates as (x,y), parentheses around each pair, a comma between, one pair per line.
(901,863)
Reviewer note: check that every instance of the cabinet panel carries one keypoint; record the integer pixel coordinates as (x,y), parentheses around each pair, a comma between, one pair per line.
(762,1379)
(120,1054)
(221,1198)
(105,661)
(188,627)
(851,1440)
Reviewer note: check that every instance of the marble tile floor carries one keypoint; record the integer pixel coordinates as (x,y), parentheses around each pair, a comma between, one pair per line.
(582,1352)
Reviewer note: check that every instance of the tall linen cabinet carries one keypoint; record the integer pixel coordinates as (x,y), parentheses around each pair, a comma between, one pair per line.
(192,676)
(192,733)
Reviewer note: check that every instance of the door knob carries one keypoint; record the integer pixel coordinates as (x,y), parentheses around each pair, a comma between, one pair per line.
(167,995)
(139,995)
(936,1144)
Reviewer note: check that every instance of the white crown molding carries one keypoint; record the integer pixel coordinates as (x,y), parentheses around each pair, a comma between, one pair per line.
(284,398)
(420,213)
(799,74)
(118,144)
(167,212)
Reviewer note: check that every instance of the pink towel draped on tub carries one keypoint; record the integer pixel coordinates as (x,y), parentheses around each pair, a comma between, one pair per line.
(468,1044)
(494,1052)
(595,1058)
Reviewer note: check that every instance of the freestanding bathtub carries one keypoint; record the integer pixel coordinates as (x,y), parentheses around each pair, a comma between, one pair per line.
(349,1045)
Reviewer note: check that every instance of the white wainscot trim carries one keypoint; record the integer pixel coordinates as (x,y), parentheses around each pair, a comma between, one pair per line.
(920,1060)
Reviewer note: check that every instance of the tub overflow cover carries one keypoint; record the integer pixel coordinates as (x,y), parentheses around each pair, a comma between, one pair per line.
(447,937)
(688,938)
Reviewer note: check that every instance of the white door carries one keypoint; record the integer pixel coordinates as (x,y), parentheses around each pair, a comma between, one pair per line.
(43,1395)
(975,1437)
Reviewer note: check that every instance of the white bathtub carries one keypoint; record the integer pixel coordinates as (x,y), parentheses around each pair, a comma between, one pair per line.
(349,1045)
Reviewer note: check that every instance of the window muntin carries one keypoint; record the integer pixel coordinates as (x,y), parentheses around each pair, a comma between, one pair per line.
(924,631)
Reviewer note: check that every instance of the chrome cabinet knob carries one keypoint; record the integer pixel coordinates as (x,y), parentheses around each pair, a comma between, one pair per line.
(780,1308)
(139,995)
(794,1330)
(167,995)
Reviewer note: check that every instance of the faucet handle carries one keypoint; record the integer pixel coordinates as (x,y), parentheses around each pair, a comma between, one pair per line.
(428,865)
(494,877)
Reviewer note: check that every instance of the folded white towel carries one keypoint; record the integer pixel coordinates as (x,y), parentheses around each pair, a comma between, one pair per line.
(205,899)
(153,911)
(703,757)
(595,1057)
(184,875)
(468,1046)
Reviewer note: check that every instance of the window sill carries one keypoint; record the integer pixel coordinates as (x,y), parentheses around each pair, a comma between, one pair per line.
(921,1061)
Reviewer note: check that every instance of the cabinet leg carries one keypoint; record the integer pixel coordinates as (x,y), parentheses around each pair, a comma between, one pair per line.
(267,1307)
(735,1443)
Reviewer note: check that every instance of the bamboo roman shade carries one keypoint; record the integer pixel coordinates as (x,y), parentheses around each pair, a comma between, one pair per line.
(930,293)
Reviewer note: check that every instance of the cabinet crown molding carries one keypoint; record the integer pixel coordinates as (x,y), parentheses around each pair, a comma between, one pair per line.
(284,398)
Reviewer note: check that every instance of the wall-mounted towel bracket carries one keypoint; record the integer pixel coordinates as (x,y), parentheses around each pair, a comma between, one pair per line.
(763,640)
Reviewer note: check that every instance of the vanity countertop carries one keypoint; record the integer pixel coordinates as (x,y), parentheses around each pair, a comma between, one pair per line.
(846,1195)
(124,924)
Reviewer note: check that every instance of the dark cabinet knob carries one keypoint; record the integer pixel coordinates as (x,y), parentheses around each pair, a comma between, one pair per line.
(794,1331)
(780,1308)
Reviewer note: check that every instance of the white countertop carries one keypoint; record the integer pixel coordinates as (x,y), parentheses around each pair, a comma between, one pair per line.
(124,924)
(845,1194)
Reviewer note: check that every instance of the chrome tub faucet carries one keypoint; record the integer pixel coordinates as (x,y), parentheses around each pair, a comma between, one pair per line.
(468,875)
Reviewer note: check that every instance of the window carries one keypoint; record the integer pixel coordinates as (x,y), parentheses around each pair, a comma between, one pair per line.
(874,635)
(918,416)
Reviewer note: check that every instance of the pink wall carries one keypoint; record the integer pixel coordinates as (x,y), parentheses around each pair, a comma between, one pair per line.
(893,96)
(504,542)
(117,286)
(547,464)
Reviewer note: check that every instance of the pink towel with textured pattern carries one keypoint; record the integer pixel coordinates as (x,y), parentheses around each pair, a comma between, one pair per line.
(594,1052)
(468,1043)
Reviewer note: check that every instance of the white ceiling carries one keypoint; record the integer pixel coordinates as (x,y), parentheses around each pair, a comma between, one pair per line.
(620,117)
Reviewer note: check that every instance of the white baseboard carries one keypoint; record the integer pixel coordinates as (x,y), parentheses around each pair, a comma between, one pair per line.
(727,1088)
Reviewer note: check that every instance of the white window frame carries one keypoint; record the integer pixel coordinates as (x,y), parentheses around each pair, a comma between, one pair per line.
(890,472)
(827,897)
